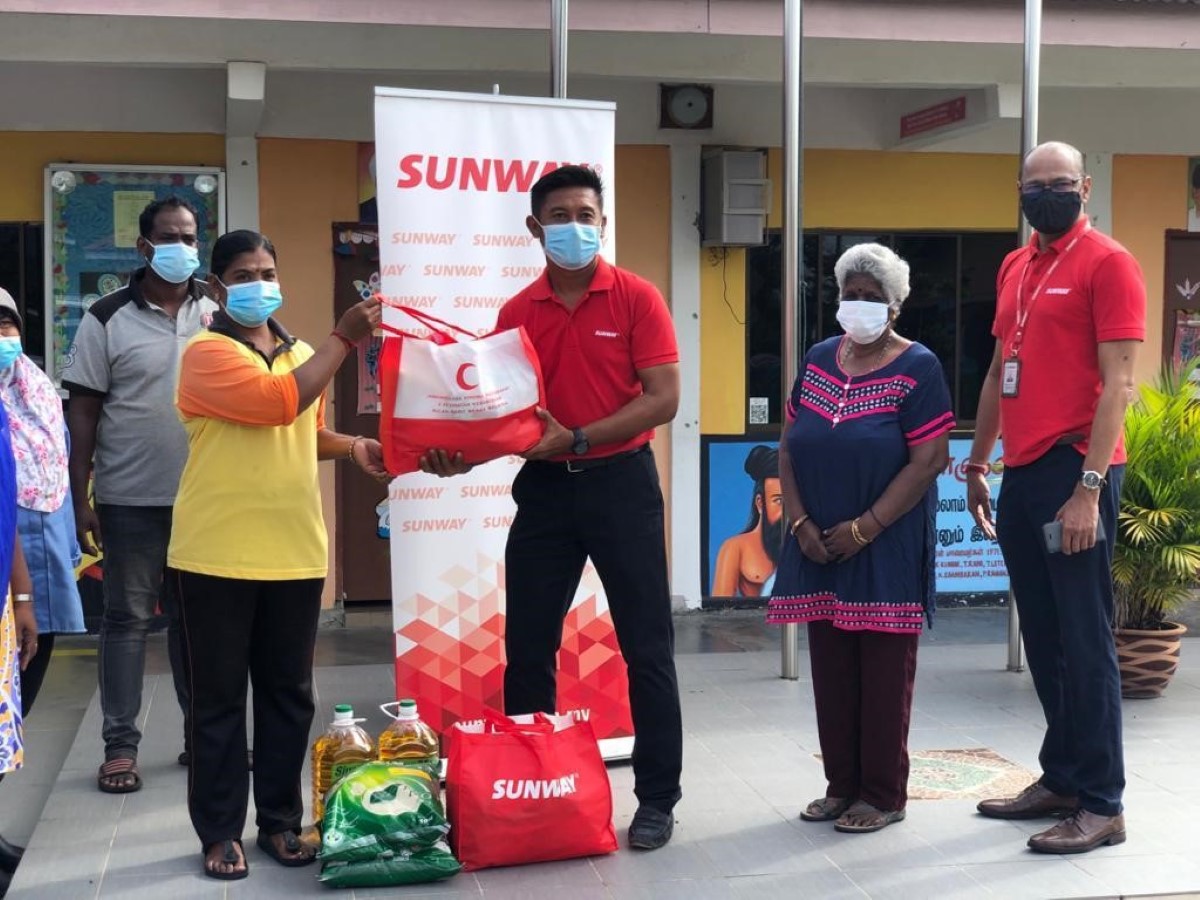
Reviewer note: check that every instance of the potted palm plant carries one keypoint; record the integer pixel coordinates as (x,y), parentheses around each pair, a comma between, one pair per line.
(1156,555)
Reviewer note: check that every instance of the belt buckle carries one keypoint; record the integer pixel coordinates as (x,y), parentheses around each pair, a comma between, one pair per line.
(571,467)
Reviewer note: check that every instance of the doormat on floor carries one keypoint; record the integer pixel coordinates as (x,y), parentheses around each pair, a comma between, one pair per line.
(976,774)
(965,775)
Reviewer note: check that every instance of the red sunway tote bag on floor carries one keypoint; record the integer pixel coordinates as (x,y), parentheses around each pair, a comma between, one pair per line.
(458,392)
(527,789)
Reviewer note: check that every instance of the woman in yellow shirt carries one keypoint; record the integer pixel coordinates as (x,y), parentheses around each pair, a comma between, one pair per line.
(248,548)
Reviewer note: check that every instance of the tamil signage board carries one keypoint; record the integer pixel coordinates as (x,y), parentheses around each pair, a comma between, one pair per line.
(933,117)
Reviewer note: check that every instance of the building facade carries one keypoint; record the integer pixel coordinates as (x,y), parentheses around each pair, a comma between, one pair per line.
(278,95)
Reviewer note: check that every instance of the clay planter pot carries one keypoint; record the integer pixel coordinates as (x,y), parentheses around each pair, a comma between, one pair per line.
(1148,659)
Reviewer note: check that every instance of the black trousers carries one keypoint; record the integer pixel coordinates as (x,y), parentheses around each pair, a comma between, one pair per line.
(613,514)
(237,632)
(35,673)
(1066,607)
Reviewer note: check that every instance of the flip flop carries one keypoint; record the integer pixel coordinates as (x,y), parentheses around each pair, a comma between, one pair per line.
(291,844)
(116,768)
(825,810)
(230,857)
(883,818)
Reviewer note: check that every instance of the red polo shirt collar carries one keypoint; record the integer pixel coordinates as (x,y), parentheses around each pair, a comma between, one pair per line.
(602,280)
(1081,224)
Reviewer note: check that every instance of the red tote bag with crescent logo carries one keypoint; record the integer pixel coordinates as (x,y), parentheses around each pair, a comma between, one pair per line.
(527,789)
(456,391)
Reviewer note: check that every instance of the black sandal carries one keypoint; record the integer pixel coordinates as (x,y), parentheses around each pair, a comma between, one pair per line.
(230,858)
(119,769)
(826,809)
(291,844)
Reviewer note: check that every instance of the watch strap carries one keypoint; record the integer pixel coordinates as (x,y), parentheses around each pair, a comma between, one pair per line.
(580,445)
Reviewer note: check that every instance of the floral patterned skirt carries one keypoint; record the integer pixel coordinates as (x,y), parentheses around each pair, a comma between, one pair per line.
(12,749)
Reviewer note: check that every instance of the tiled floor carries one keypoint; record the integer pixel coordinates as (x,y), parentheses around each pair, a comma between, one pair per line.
(749,769)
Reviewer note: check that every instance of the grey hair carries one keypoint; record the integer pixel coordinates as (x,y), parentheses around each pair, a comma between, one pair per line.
(876,261)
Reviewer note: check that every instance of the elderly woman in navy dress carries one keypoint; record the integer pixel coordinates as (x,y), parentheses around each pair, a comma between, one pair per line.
(867,434)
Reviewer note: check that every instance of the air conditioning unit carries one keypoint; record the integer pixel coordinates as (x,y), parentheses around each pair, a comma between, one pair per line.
(736,197)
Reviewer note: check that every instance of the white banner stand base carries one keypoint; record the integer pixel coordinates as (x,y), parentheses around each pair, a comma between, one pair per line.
(616,749)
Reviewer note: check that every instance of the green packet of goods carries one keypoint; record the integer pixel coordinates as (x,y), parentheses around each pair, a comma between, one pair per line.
(384,825)
(418,867)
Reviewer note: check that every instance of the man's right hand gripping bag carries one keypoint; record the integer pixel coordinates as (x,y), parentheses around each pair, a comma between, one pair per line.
(527,789)
(457,392)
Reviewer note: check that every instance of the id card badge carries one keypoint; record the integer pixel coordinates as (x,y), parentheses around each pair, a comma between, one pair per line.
(1010,378)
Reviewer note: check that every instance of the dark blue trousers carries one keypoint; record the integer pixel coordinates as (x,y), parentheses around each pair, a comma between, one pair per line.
(1066,606)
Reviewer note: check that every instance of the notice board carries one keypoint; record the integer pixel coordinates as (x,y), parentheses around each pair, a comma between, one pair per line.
(92,229)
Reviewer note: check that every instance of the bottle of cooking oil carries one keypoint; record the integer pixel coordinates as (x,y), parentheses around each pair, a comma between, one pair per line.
(341,749)
(409,740)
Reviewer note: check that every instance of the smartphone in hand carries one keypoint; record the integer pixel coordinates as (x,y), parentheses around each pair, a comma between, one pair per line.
(1052,533)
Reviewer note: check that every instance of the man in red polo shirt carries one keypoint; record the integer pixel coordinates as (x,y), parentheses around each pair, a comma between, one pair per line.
(1070,314)
(590,488)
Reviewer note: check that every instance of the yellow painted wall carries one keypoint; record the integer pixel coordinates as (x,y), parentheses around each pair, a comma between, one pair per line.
(304,186)
(722,341)
(844,189)
(1149,196)
(25,154)
(901,191)
(643,235)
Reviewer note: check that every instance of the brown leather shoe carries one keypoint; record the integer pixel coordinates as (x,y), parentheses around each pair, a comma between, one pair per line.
(1080,833)
(1035,802)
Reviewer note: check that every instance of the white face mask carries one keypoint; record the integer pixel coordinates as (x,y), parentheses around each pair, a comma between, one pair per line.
(863,320)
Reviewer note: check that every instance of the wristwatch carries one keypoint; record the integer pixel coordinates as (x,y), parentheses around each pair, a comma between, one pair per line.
(1092,481)
(581,445)
(23,598)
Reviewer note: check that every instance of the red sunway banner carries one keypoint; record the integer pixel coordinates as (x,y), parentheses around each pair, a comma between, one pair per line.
(453,173)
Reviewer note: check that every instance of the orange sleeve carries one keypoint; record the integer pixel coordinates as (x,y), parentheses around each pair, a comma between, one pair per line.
(320,412)
(217,381)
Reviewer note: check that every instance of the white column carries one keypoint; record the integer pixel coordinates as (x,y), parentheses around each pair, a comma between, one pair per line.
(685,432)
(245,99)
(241,183)
(1099,166)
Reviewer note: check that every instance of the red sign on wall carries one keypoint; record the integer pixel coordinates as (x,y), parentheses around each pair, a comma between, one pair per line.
(932,117)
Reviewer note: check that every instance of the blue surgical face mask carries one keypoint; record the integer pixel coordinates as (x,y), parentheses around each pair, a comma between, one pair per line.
(10,349)
(253,302)
(570,245)
(175,263)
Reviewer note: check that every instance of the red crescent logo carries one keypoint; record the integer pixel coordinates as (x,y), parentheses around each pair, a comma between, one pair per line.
(461,377)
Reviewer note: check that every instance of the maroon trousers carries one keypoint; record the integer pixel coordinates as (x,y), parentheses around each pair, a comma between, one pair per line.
(863,683)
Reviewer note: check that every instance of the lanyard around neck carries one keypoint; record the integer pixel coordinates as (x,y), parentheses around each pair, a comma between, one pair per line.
(1023,309)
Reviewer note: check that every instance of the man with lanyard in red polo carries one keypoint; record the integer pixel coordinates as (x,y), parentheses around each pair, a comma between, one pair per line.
(1070,313)
(590,488)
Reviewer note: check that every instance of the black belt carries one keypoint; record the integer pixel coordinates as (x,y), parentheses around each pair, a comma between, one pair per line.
(575,466)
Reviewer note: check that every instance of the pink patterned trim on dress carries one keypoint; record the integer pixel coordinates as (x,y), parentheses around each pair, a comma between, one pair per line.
(894,618)
(930,430)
